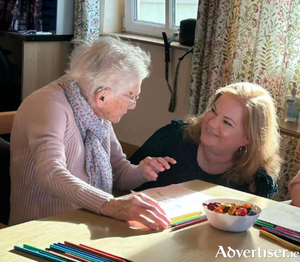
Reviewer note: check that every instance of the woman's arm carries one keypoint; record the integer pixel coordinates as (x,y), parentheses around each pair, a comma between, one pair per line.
(128,176)
(162,143)
(48,127)
(294,189)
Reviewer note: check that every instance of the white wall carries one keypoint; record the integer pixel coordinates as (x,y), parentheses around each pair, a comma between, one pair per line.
(151,111)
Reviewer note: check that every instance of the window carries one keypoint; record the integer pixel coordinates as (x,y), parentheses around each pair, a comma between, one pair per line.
(152,17)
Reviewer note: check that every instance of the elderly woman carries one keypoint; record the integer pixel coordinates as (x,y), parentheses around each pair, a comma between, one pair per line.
(64,152)
(235,143)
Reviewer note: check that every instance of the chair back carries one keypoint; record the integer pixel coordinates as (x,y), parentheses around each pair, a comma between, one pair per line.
(6,120)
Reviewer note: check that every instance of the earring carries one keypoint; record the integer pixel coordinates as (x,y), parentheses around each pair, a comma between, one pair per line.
(244,148)
(102,98)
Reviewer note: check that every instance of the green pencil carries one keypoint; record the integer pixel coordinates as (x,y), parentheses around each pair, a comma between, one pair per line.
(264,224)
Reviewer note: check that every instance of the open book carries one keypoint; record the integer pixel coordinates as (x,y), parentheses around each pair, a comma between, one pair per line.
(176,201)
(282,215)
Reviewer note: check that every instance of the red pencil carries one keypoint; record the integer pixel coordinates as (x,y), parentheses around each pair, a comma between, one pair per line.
(190,223)
(98,252)
(68,256)
(288,231)
(103,252)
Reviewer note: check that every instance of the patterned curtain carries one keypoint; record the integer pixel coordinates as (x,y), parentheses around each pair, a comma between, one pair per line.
(256,41)
(86,19)
(216,31)
(21,15)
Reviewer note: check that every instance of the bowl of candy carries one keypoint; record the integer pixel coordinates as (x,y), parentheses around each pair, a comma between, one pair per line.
(231,214)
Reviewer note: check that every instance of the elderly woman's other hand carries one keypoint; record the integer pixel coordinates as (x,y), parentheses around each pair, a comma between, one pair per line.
(139,207)
(151,166)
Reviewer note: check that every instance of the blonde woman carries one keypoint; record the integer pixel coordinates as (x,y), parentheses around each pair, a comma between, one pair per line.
(235,143)
(64,152)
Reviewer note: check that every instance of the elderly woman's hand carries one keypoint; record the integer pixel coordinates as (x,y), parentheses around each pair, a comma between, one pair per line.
(139,207)
(151,166)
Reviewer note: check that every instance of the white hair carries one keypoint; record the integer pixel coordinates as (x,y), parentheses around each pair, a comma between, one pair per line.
(108,62)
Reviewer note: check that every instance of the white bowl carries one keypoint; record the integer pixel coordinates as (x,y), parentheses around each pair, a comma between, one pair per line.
(228,222)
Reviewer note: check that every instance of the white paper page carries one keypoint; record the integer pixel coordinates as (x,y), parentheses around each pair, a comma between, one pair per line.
(282,215)
(177,200)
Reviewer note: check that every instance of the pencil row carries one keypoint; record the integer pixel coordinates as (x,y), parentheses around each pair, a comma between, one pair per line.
(187,221)
(285,237)
(70,252)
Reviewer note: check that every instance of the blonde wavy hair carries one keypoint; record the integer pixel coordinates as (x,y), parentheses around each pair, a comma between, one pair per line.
(261,127)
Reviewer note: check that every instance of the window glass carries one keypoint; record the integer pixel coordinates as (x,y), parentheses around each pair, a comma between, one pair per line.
(153,11)
(184,9)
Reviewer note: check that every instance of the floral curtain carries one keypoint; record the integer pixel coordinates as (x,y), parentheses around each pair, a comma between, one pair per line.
(256,41)
(86,19)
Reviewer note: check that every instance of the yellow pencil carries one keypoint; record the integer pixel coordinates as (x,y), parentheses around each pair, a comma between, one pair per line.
(185,216)
(279,240)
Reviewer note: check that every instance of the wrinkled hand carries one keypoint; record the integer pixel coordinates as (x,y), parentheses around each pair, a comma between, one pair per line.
(139,207)
(151,166)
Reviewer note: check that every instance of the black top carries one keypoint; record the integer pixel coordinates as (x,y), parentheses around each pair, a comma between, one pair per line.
(169,141)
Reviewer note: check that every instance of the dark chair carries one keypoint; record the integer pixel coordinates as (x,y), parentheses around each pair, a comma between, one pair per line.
(10,83)
(6,120)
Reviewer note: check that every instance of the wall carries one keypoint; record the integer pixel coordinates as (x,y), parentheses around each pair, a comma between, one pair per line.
(151,111)
(111,16)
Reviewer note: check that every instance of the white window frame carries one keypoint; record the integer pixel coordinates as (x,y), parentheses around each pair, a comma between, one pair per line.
(148,28)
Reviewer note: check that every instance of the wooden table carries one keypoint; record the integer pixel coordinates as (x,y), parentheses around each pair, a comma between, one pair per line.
(289,128)
(196,243)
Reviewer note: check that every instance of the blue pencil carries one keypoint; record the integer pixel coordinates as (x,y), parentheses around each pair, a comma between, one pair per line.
(49,253)
(39,254)
(282,233)
(75,249)
(61,247)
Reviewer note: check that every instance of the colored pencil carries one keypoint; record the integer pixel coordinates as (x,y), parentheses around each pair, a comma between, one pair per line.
(98,250)
(66,256)
(288,231)
(279,240)
(178,222)
(186,215)
(70,252)
(79,253)
(39,254)
(282,233)
(187,224)
(101,254)
(48,253)
(265,224)
(69,255)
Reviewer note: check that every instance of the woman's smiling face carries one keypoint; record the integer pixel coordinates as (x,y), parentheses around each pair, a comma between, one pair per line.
(222,126)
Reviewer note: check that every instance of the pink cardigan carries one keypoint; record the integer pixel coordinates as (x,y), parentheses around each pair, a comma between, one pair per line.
(48,173)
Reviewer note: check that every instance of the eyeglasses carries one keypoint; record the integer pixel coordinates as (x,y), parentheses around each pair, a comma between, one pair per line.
(131,100)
